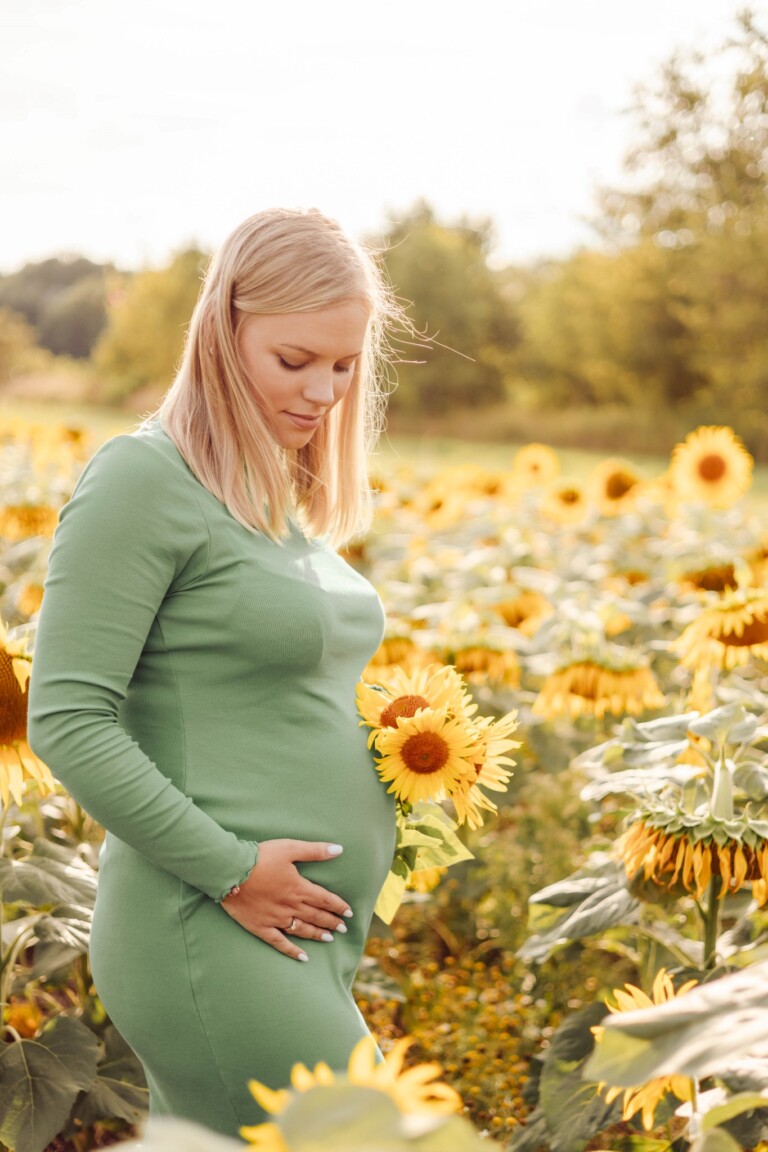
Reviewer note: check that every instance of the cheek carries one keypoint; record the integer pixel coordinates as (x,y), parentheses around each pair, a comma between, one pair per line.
(343,386)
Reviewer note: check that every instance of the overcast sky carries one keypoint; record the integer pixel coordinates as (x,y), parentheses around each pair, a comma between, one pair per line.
(128,130)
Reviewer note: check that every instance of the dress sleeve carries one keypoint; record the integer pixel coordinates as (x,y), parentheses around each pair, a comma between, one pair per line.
(128,535)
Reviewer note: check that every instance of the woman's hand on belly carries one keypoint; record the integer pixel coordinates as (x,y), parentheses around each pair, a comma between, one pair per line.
(276,900)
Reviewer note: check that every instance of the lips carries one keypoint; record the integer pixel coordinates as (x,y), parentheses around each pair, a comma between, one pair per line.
(304,421)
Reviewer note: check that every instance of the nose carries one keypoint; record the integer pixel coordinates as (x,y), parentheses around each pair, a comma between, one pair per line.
(318,388)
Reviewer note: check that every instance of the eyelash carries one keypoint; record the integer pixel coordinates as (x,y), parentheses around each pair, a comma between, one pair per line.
(297,367)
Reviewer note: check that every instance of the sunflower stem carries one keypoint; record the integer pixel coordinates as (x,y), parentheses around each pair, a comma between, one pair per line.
(712,924)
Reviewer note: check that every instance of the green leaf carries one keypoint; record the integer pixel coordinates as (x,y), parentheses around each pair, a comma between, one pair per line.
(390,897)
(40,1080)
(694,1035)
(752,777)
(719,724)
(120,1088)
(574,1110)
(715,1141)
(594,898)
(51,874)
(742,1102)
(341,1116)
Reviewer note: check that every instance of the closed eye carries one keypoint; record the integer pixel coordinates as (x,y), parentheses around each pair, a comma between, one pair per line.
(291,367)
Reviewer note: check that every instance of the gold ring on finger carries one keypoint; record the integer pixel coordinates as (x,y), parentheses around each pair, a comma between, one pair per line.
(292,924)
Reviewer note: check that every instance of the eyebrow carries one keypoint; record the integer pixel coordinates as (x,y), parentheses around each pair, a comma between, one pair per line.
(307,352)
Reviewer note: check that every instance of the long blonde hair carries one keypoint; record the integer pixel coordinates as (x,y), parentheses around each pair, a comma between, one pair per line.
(280,260)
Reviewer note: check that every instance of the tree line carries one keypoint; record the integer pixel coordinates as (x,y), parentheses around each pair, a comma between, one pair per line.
(667,308)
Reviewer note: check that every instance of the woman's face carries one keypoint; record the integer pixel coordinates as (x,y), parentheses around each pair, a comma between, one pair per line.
(302,364)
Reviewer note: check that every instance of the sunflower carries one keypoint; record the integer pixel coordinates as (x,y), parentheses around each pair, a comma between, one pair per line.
(646,1097)
(565,502)
(690,856)
(425,880)
(727,633)
(525,611)
(710,578)
(711,465)
(535,465)
(588,688)
(414,1091)
(404,694)
(397,652)
(19,521)
(427,755)
(492,768)
(30,598)
(481,663)
(17,759)
(615,486)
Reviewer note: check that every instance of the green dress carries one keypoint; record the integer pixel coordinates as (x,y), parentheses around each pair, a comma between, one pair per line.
(193,687)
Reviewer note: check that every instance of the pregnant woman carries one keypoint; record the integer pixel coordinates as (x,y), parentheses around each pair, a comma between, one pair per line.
(193,683)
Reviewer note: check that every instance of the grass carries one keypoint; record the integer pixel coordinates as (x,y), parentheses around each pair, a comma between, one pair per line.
(424,452)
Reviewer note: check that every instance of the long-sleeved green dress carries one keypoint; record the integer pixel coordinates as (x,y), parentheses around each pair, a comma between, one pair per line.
(193,687)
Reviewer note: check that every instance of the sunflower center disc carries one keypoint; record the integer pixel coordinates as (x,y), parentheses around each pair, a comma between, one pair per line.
(402,706)
(425,752)
(711,467)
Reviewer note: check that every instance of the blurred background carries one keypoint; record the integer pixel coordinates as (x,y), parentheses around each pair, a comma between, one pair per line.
(572,196)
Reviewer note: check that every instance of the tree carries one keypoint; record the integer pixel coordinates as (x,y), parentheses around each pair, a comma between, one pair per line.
(700,165)
(147,320)
(63,298)
(18,350)
(458,302)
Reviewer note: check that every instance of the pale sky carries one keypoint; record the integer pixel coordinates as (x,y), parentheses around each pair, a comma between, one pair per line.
(128,130)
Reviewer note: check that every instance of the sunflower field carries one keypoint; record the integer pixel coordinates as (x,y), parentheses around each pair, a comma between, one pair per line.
(585,966)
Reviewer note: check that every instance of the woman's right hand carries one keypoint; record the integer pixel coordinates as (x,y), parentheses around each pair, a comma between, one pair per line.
(275,895)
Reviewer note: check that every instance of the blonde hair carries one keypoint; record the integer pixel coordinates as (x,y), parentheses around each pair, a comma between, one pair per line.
(280,260)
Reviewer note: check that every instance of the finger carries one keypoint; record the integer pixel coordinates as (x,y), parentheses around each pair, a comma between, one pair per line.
(314,850)
(319,897)
(316,917)
(279,942)
(309,931)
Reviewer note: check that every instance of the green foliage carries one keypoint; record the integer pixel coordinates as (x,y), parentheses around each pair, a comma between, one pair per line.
(148,316)
(18,348)
(63,299)
(674,309)
(458,303)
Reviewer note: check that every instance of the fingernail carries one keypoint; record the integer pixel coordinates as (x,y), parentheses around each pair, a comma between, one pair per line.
(341,927)
(349,912)
(302,956)
(335,849)
(327,936)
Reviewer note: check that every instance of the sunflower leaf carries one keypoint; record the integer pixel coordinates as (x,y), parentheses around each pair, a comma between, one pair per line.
(716,1140)
(694,1035)
(391,897)
(592,900)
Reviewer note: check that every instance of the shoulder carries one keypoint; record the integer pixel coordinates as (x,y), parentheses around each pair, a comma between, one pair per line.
(132,485)
(134,462)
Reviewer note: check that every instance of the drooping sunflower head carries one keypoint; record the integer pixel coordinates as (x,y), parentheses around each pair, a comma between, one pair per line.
(647,1097)
(711,465)
(730,630)
(484,663)
(684,859)
(593,688)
